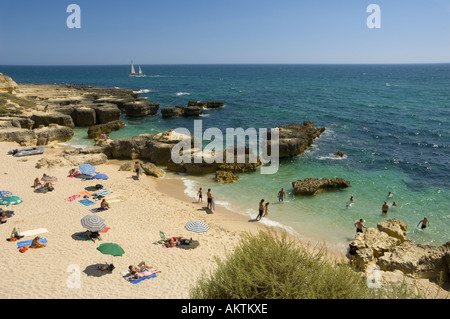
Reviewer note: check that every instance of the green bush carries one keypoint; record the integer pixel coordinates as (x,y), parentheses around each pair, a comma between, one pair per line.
(268,266)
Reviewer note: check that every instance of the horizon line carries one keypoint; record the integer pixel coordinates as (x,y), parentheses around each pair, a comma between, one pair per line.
(206,64)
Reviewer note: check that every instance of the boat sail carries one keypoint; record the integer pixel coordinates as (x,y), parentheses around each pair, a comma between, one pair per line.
(133,72)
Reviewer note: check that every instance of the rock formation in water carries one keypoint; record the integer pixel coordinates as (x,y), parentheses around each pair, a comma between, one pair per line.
(312,186)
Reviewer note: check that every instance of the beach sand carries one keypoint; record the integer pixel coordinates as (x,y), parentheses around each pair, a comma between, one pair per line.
(140,209)
(67,267)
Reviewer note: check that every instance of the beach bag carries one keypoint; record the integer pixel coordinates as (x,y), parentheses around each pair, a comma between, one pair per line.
(98,186)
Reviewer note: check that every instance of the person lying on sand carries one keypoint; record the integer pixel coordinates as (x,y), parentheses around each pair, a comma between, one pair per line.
(92,235)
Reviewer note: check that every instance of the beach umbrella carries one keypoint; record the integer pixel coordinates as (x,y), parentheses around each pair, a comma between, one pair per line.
(111,249)
(197,226)
(11,200)
(87,169)
(4,194)
(47,178)
(93,223)
(100,176)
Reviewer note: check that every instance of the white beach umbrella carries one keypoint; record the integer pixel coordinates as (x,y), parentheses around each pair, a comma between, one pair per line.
(197,226)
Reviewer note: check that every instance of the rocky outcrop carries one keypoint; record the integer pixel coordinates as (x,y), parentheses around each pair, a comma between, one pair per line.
(311,186)
(420,261)
(83,116)
(171,111)
(226,176)
(141,108)
(294,139)
(106,113)
(11,120)
(7,84)
(207,104)
(152,170)
(96,130)
(42,136)
(179,110)
(389,249)
(45,119)
(155,148)
(394,228)
(53,134)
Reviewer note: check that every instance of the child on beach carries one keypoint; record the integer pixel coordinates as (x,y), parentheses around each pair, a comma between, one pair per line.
(281,195)
(266,209)
(200,196)
(138,169)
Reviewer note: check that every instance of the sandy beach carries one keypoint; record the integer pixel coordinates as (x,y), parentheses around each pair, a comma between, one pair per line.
(139,210)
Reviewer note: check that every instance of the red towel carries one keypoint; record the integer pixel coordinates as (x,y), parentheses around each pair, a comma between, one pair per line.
(104,230)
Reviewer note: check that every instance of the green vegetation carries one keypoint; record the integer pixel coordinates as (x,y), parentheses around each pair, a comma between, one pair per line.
(268,266)
(6,98)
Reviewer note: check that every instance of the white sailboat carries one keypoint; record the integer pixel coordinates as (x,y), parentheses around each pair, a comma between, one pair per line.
(134,74)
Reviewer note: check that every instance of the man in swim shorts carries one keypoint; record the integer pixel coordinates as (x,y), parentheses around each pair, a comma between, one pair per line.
(261,209)
(359,226)
(385,208)
(424,222)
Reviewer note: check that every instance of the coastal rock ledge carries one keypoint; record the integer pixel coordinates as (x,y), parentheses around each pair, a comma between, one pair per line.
(311,186)
(389,249)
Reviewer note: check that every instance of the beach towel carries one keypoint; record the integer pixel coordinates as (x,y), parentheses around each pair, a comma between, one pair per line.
(72,198)
(102,193)
(86,202)
(34,232)
(98,209)
(85,193)
(28,242)
(104,230)
(135,281)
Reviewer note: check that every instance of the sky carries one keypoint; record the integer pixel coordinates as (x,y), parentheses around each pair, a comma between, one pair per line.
(223,32)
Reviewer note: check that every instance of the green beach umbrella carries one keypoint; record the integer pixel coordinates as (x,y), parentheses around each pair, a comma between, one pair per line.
(110,249)
(11,200)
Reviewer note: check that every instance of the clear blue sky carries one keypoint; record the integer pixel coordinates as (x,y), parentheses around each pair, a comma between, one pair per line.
(34,32)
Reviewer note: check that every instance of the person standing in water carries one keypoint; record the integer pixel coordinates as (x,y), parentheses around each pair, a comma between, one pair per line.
(424,222)
(210,199)
(266,209)
(359,226)
(261,209)
(281,195)
(385,208)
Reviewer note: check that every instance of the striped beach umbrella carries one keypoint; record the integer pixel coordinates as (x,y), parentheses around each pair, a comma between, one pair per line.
(4,194)
(93,223)
(197,226)
(11,200)
(47,178)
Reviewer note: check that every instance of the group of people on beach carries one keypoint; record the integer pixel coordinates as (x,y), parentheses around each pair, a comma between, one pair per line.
(209,198)
(263,209)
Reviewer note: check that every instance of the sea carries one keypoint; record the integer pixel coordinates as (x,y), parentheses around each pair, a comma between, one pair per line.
(391,121)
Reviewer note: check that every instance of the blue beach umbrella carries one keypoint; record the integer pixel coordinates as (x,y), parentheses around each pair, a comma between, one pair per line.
(100,176)
(87,169)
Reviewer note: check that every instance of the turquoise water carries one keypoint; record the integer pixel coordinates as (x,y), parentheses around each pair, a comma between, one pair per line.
(391,121)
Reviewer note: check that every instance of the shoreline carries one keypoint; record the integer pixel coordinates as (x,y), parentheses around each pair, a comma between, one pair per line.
(139,210)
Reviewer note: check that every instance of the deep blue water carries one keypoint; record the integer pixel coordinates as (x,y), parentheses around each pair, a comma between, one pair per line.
(391,121)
